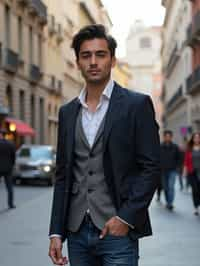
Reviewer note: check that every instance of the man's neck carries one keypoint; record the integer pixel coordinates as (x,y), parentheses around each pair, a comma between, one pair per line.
(94,91)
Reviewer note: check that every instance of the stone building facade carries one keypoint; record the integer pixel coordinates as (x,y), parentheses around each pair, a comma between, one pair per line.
(177,67)
(143,56)
(37,66)
(193,81)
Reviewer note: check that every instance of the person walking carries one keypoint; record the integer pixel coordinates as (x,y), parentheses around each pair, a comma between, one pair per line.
(170,163)
(7,160)
(107,165)
(192,169)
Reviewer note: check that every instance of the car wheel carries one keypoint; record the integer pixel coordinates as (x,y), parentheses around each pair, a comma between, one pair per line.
(18,181)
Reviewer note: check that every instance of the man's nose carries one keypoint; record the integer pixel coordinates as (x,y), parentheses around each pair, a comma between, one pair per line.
(93,60)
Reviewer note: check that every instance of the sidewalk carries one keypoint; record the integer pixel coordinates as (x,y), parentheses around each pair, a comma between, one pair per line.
(176,240)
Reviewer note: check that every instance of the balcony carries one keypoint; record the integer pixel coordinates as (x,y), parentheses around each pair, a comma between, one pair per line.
(34,74)
(59,87)
(23,2)
(189,83)
(10,60)
(37,7)
(60,33)
(175,98)
(193,31)
(84,6)
(175,55)
(51,24)
(193,81)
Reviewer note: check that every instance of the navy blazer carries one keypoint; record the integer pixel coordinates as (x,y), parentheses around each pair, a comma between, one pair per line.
(131,159)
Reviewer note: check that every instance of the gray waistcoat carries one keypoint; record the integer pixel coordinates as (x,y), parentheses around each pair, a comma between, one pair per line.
(89,189)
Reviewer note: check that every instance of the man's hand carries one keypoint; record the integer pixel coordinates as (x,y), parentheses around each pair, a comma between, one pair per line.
(114,227)
(55,251)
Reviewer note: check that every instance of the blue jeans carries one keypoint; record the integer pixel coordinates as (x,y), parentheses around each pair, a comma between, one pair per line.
(86,249)
(169,178)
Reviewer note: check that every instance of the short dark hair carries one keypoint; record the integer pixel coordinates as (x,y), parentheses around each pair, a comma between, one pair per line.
(92,32)
(166,132)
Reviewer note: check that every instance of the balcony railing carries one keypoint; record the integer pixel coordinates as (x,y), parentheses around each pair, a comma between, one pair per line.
(59,87)
(34,73)
(37,7)
(175,98)
(10,60)
(60,33)
(172,61)
(189,83)
(23,2)
(193,31)
(193,81)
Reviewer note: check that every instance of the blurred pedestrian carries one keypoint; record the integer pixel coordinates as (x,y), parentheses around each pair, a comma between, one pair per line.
(170,162)
(183,179)
(192,169)
(159,189)
(108,161)
(7,160)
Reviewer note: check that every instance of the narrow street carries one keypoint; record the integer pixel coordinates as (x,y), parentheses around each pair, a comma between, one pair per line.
(24,231)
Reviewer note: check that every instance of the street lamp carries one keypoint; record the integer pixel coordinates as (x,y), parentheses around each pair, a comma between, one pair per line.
(3,113)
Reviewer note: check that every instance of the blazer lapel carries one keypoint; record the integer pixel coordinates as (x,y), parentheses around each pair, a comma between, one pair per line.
(113,112)
(70,132)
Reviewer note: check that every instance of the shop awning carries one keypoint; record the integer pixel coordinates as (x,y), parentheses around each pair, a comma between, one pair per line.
(21,127)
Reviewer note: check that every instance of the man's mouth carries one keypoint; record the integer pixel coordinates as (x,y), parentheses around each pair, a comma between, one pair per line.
(94,71)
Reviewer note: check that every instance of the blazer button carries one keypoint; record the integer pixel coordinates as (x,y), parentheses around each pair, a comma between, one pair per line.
(90,190)
(90,173)
(91,155)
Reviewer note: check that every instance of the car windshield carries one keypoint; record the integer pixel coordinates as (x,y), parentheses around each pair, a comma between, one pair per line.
(36,153)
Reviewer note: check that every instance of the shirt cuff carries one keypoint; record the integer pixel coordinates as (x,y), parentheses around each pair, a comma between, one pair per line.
(55,235)
(130,225)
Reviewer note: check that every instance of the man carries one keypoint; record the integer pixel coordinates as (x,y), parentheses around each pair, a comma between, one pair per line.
(170,162)
(7,160)
(107,163)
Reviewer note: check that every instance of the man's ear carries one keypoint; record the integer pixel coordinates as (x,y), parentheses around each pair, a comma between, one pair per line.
(114,61)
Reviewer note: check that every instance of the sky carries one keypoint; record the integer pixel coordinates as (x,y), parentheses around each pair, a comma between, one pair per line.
(123,13)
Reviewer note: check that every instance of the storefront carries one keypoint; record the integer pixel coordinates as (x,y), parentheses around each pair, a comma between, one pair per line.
(17,130)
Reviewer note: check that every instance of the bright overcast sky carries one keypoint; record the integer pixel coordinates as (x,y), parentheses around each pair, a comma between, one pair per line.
(123,13)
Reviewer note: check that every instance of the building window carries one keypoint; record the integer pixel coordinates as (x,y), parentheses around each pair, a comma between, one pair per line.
(20,36)
(7,26)
(21,105)
(9,99)
(49,109)
(41,111)
(31,44)
(33,111)
(145,42)
(40,50)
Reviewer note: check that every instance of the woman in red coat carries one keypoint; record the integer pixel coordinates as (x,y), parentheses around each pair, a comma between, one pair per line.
(192,168)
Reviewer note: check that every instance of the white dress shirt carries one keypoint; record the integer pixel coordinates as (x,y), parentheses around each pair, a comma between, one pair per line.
(91,120)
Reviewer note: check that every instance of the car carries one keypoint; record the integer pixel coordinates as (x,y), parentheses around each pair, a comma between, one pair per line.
(35,162)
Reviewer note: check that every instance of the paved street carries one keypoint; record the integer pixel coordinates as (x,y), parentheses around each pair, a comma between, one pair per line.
(24,231)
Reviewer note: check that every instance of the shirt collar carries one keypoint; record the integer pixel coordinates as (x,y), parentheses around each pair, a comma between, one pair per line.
(106,92)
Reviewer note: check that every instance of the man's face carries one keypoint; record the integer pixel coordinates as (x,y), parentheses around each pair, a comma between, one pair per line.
(95,61)
(168,138)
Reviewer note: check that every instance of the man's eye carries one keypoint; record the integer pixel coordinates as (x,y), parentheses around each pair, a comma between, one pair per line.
(101,54)
(85,55)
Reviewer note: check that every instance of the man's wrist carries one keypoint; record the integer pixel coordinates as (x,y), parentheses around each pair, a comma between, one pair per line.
(123,221)
(55,235)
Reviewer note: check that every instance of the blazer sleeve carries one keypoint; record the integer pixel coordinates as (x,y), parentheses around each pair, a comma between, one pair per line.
(57,213)
(134,210)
